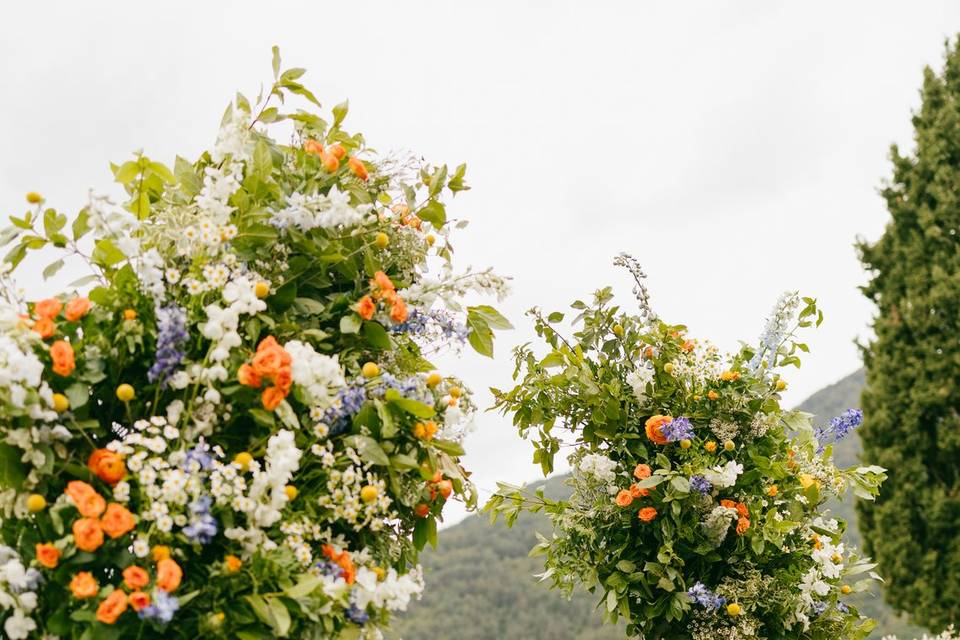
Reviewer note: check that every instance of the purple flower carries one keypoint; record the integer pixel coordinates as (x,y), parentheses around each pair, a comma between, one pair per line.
(839,428)
(705,598)
(700,484)
(161,608)
(357,615)
(171,335)
(679,429)
(203,526)
(435,323)
(347,404)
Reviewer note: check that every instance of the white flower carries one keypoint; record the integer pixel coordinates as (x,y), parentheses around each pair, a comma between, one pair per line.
(326,211)
(600,467)
(18,626)
(725,476)
(638,379)
(319,375)
(141,548)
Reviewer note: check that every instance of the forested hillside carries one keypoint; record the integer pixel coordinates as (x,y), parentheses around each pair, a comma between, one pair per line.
(482,585)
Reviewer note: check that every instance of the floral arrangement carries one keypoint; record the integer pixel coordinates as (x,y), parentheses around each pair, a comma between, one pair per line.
(697,500)
(230,426)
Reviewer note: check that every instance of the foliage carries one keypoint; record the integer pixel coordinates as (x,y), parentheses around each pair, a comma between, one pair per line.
(913,426)
(236,432)
(696,505)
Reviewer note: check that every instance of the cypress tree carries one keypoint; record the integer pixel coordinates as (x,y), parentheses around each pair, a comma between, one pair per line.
(912,399)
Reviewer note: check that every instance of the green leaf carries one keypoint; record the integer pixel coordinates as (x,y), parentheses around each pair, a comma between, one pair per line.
(369,449)
(388,427)
(413,407)
(448,446)
(493,317)
(340,112)
(12,473)
(435,213)
(53,222)
(51,269)
(263,418)
(81,225)
(350,323)
(106,254)
(276,61)
(78,394)
(305,586)
(376,335)
(281,616)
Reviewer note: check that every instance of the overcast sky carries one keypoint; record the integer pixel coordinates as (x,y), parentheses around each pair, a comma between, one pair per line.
(735,148)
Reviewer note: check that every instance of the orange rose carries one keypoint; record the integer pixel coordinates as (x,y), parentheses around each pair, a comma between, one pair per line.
(654,425)
(729,504)
(49,308)
(272,397)
(382,283)
(313,146)
(284,380)
(48,555)
(84,585)
(44,327)
(637,492)
(138,600)
(647,514)
(398,309)
(233,563)
(624,498)
(89,503)
(135,577)
(117,521)
(169,575)
(337,151)
(107,465)
(642,471)
(343,560)
(76,309)
(112,606)
(62,355)
(366,307)
(329,162)
(87,534)
(742,510)
(267,363)
(742,525)
(358,168)
(248,377)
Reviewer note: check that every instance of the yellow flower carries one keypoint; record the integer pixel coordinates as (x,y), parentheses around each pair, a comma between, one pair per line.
(807,480)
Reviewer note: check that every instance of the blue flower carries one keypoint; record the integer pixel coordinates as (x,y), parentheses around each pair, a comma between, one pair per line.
(436,322)
(819,608)
(347,404)
(839,428)
(679,429)
(203,526)
(705,598)
(357,615)
(171,335)
(700,484)
(161,608)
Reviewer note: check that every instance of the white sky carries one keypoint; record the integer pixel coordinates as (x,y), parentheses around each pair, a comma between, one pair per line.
(735,148)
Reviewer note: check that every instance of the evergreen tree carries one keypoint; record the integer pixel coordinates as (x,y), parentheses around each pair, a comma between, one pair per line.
(912,399)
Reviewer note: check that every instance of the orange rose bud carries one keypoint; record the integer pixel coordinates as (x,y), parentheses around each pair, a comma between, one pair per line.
(637,492)
(169,575)
(117,521)
(742,525)
(107,465)
(772,490)
(112,607)
(647,514)
(329,162)
(382,282)
(642,471)
(337,151)
(248,377)
(712,395)
(87,534)
(358,168)
(729,504)
(624,498)
(135,577)
(366,307)
(129,314)
(89,503)
(49,308)
(654,425)
(272,397)
(48,555)
(76,309)
(313,146)
(44,327)
(84,585)
(138,600)
(233,563)
(742,510)
(62,355)
(398,310)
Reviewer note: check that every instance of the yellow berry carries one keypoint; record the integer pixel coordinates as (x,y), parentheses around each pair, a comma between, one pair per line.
(369,493)
(60,403)
(733,609)
(370,370)
(836,558)
(431,239)
(455,392)
(685,444)
(710,446)
(381,574)
(291,492)
(434,379)
(160,552)
(781,384)
(243,459)
(34,198)
(846,589)
(669,367)
(382,240)
(618,330)
(729,445)
(36,503)
(125,393)
(261,289)
(129,314)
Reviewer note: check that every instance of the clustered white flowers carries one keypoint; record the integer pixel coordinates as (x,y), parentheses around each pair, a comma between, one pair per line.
(17,594)
(318,375)
(326,211)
